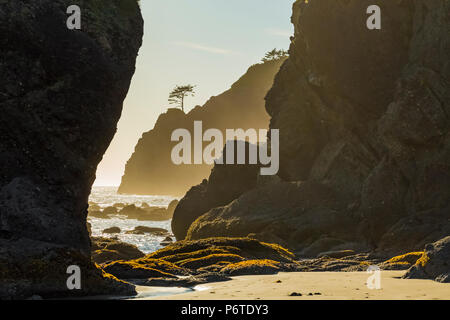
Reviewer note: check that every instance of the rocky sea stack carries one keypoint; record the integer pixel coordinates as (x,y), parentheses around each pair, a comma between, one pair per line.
(364,136)
(61,97)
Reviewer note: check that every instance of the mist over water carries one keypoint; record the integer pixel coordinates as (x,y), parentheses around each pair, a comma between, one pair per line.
(107,196)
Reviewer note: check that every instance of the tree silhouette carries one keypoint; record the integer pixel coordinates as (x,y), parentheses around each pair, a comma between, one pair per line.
(179,93)
(275,55)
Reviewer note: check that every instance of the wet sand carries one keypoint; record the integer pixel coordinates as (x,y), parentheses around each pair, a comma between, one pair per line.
(330,285)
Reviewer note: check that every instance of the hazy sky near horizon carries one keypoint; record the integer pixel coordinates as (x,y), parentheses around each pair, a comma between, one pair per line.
(208,43)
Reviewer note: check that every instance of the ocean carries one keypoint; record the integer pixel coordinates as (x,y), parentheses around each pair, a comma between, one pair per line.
(107,196)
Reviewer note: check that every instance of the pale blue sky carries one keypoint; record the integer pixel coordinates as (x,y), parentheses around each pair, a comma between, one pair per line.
(208,43)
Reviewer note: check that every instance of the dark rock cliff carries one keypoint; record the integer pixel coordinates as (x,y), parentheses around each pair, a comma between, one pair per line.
(364,134)
(150,169)
(226,183)
(61,95)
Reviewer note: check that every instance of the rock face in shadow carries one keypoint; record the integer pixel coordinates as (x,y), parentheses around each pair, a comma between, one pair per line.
(364,134)
(434,263)
(304,216)
(226,183)
(61,97)
(150,169)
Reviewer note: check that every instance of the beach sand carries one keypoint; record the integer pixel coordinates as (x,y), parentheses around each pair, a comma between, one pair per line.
(330,285)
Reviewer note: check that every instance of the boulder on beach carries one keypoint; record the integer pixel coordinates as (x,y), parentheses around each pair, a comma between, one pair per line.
(105,250)
(434,263)
(112,230)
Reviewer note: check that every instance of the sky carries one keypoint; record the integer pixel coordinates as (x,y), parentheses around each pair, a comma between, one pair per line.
(207,43)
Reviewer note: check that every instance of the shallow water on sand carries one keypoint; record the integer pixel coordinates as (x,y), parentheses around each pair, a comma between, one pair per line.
(107,196)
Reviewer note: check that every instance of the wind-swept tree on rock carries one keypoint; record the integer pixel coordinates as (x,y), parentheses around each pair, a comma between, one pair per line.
(179,93)
(275,54)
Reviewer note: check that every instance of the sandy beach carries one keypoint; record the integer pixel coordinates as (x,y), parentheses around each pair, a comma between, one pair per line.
(330,285)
